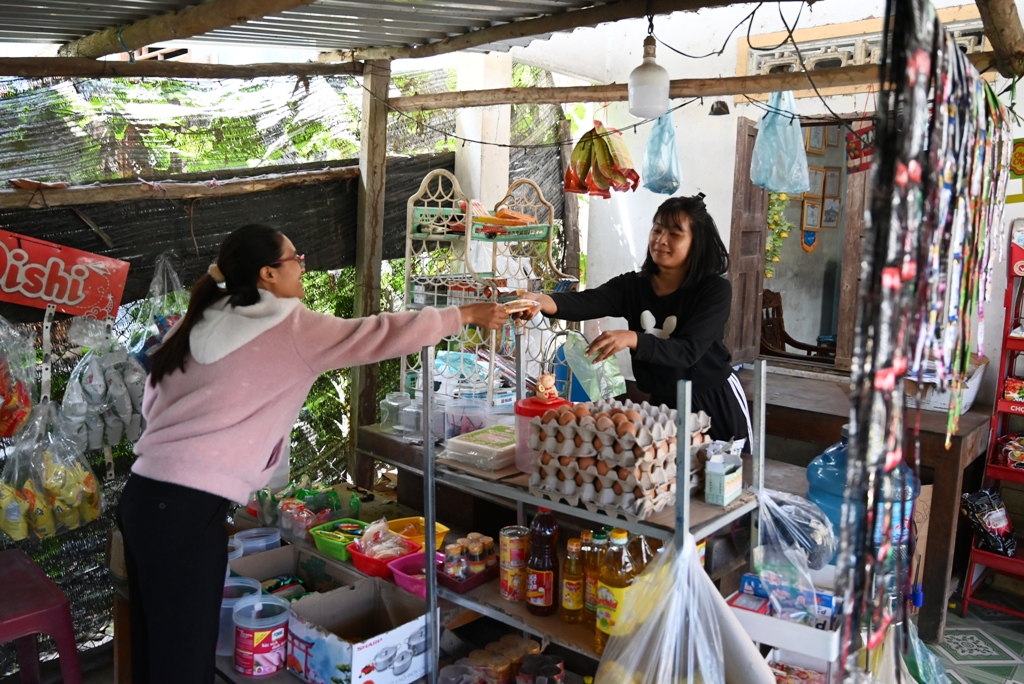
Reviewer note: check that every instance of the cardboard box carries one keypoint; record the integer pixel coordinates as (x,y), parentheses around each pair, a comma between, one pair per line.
(723,480)
(317,572)
(749,602)
(372,630)
(827,607)
(934,400)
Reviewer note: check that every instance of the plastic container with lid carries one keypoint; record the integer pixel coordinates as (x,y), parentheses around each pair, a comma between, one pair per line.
(235,589)
(526,410)
(491,448)
(261,634)
(258,539)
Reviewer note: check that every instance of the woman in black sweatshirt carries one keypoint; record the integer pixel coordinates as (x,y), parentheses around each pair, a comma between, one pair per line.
(676,308)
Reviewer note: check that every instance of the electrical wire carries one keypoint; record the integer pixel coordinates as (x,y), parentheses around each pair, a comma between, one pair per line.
(749,18)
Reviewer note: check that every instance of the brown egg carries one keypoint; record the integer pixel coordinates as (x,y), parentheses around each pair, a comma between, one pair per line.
(565,460)
(564,408)
(602,468)
(598,486)
(615,411)
(604,423)
(578,441)
(545,458)
(624,473)
(634,415)
(549,416)
(617,488)
(616,447)
(585,463)
(601,414)
(561,476)
(626,428)
(598,444)
(566,418)
(638,492)
(619,418)
(581,410)
(579,479)
(559,437)
(638,452)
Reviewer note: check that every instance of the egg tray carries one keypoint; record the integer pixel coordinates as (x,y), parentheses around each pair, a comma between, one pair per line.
(586,471)
(627,506)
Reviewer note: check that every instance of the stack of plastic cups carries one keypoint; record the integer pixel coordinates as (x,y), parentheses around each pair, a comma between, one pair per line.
(235,589)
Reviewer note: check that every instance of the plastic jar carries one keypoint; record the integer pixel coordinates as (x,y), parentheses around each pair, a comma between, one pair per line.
(261,635)
(235,589)
(258,539)
(464,415)
(390,410)
(526,410)
(234,551)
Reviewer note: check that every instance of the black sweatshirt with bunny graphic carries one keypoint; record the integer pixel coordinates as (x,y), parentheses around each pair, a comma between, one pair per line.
(679,335)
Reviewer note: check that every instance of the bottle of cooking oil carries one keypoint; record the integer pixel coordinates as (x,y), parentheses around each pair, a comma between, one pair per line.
(592,573)
(640,549)
(572,584)
(617,574)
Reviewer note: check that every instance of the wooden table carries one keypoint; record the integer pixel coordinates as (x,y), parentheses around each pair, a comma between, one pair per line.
(814,410)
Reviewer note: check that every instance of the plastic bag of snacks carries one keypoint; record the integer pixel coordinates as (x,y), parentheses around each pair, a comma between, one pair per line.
(1010,451)
(668,630)
(1013,389)
(17,378)
(163,307)
(103,399)
(796,537)
(379,542)
(46,481)
(986,513)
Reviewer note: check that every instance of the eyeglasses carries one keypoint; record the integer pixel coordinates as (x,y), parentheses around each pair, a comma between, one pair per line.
(301,258)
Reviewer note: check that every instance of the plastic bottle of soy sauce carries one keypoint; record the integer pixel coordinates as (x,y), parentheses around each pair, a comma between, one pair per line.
(542,568)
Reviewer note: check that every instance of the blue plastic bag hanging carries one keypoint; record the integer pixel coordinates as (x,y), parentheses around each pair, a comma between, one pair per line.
(779,162)
(661,172)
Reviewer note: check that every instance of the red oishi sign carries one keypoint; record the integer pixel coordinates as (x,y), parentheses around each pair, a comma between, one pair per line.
(36,273)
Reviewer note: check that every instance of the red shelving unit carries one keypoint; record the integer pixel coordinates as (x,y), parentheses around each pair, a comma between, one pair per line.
(1003,411)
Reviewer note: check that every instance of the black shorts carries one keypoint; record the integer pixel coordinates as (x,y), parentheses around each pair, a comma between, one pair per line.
(727,407)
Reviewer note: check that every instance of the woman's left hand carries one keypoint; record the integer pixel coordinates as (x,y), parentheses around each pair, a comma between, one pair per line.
(610,343)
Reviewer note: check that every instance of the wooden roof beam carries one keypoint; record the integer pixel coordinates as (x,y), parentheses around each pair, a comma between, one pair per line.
(1004,31)
(563,21)
(41,67)
(686,87)
(186,23)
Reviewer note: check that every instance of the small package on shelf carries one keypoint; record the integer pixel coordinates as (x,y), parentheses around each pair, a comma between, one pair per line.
(1013,389)
(986,513)
(492,448)
(1009,452)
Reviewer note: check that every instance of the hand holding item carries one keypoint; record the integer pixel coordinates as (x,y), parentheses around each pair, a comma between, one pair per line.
(544,304)
(485,314)
(607,344)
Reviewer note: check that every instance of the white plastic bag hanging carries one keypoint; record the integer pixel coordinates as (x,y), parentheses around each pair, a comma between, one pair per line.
(661,172)
(779,161)
(602,380)
(667,631)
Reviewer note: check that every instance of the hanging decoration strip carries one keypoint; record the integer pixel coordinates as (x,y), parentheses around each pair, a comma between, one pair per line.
(936,214)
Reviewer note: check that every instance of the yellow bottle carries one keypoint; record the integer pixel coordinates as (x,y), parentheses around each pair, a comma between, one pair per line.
(617,574)
(592,572)
(572,584)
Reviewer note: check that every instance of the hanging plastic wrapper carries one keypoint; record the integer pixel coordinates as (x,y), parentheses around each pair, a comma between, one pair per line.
(162,308)
(668,629)
(47,486)
(599,380)
(17,378)
(795,538)
(103,399)
(779,161)
(661,171)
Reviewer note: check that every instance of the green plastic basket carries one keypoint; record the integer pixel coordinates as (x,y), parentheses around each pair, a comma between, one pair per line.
(335,548)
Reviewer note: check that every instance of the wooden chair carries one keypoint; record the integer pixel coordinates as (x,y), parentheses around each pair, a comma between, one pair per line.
(775,339)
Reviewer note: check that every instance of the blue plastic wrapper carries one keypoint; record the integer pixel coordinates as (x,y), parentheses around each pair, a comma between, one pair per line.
(661,172)
(779,162)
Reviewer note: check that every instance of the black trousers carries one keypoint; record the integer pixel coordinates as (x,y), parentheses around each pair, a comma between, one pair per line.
(176,555)
(727,407)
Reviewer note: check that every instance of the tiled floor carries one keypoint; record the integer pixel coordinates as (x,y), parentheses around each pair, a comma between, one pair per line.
(986,647)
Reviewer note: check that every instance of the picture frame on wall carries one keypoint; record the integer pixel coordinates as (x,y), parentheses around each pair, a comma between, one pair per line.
(814,139)
(811,215)
(816,176)
(833,181)
(830,212)
(833,136)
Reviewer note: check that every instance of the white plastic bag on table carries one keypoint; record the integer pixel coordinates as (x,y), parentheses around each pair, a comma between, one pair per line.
(795,537)
(667,631)
(779,161)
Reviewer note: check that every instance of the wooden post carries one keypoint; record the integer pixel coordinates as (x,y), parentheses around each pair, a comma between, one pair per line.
(858,197)
(369,239)
(570,207)
(38,67)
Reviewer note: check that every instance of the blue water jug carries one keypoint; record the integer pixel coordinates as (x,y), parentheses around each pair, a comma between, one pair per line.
(826,486)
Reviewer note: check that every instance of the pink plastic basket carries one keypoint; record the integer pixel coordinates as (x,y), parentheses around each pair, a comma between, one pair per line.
(375,567)
(405,568)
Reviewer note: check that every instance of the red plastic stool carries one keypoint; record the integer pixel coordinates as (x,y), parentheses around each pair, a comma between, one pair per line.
(30,604)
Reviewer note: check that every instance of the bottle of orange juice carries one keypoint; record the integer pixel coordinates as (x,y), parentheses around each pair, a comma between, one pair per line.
(617,574)
(592,572)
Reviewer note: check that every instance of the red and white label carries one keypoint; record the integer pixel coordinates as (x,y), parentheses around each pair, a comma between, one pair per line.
(260,652)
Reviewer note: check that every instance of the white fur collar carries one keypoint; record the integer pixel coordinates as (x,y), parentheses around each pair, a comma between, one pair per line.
(224,328)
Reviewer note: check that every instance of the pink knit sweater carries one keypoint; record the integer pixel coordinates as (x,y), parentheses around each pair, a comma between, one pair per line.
(220,426)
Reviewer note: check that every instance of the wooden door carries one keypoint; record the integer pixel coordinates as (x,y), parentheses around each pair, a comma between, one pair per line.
(746,252)
(858,193)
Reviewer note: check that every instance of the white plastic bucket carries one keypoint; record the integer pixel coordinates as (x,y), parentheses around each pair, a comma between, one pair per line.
(235,589)
(259,539)
(261,635)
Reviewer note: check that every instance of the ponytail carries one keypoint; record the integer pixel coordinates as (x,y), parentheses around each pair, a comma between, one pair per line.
(242,254)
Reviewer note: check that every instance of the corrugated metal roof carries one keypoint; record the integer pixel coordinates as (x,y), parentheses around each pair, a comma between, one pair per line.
(324,25)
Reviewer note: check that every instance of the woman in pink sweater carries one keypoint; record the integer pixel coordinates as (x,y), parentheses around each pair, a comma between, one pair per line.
(225,390)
